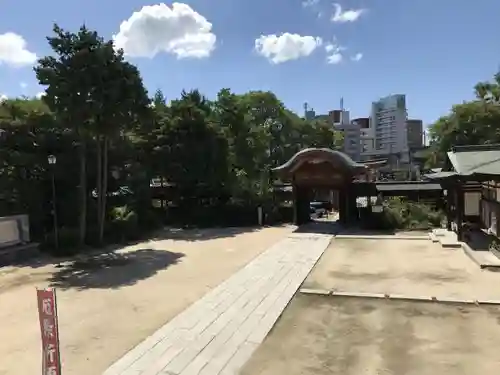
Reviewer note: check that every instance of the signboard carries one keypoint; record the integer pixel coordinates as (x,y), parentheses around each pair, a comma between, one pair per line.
(47,313)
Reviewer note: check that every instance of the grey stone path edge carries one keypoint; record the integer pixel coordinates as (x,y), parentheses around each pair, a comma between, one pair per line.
(219,332)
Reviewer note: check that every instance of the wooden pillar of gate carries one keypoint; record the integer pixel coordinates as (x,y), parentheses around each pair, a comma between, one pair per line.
(342,203)
(301,214)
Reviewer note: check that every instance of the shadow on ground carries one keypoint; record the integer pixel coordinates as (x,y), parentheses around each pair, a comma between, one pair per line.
(481,242)
(200,234)
(358,231)
(182,234)
(112,270)
(478,240)
(335,227)
(320,227)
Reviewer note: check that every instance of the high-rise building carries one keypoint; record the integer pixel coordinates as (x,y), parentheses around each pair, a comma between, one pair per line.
(335,116)
(309,113)
(352,140)
(341,121)
(365,134)
(363,122)
(388,123)
(415,133)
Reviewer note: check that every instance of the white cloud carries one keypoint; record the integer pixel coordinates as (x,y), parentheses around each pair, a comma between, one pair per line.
(13,50)
(334,53)
(309,3)
(23,85)
(357,57)
(286,47)
(39,95)
(334,58)
(3,98)
(349,15)
(314,6)
(178,30)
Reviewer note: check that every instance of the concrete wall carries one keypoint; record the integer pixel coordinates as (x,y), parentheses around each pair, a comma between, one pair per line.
(14,230)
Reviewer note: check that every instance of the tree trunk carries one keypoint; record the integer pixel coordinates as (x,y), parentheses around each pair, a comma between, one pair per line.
(99,185)
(104,189)
(83,189)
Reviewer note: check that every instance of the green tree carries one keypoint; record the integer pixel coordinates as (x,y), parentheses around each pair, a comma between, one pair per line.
(470,123)
(27,138)
(118,101)
(196,151)
(91,88)
(68,94)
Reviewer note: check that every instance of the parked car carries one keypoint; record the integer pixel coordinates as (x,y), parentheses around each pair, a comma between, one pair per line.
(319,209)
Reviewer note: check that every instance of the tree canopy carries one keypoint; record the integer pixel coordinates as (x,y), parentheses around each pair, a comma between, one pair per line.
(472,122)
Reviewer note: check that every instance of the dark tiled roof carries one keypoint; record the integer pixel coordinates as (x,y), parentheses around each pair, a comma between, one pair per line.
(439,175)
(408,186)
(320,152)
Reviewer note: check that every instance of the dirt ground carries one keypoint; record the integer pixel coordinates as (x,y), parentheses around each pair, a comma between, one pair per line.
(351,336)
(109,303)
(399,266)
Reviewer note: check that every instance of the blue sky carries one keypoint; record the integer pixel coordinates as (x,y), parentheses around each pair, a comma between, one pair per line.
(434,51)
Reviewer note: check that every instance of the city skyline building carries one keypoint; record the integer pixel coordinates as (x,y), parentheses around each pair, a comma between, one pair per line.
(388,120)
(386,133)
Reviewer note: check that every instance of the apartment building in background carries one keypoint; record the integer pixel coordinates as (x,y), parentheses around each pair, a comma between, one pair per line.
(366,137)
(352,136)
(338,117)
(310,114)
(388,121)
(415,133)
(363,122)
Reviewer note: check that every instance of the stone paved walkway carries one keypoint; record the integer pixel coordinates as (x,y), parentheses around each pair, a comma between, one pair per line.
(218,333)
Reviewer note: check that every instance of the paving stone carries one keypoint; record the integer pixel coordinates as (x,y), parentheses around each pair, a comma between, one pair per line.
(168,349)
(181,361)
(237,361)
(322,292)
(161,362)
(219,332)
(230,328)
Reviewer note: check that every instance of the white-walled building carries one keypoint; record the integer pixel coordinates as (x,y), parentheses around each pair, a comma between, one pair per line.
(386,136)
(388,117)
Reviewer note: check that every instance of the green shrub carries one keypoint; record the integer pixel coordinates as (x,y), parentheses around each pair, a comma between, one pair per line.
(150,219)
(402,214)
(124,223)
(394,214)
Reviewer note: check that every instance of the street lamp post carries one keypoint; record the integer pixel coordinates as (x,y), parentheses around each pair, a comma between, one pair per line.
(52,163)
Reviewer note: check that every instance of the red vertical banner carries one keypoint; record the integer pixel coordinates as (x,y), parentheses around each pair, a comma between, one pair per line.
(47,313)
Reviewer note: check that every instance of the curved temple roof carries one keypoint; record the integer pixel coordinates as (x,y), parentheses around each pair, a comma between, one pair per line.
(321,154)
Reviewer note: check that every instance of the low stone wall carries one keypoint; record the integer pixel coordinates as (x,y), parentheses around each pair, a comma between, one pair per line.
(15,243)
(14,230)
